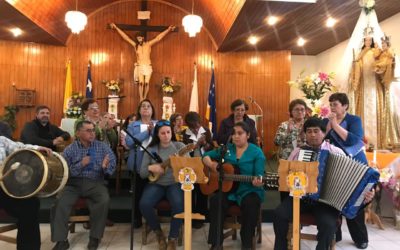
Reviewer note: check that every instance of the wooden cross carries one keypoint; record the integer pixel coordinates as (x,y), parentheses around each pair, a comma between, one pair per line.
(143,27)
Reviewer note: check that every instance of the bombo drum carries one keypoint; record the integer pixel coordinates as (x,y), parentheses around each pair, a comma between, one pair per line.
(36,175)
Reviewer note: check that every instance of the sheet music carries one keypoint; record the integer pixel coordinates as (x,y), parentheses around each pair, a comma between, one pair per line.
(145,143)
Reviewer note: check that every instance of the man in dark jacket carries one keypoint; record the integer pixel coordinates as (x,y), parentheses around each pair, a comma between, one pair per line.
(41,132)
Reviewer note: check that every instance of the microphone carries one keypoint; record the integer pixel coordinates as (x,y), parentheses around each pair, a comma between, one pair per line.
(13,167)
(251,99)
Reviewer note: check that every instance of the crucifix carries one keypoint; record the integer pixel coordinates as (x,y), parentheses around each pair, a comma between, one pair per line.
(143,68)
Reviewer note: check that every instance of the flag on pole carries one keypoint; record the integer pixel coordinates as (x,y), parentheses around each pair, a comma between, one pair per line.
(89,86)
(211,112)
(68,87)
(194,97)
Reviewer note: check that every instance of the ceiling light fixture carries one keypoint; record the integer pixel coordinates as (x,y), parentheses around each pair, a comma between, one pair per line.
(330,22)
(76,20)
(301,41)
(192,23)
(16,32)
(253,40)
(272,20)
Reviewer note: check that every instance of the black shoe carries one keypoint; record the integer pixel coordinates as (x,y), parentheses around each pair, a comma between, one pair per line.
(362,245)
(197,224)
(61,245)
(93,243)
(214,247)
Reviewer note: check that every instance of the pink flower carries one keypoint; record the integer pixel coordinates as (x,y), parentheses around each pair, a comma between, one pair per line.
(323,76)
(324,111)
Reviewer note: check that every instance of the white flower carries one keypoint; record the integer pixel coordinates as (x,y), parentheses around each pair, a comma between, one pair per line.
(370,3)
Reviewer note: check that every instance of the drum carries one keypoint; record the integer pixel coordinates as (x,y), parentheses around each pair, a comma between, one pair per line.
(36,175)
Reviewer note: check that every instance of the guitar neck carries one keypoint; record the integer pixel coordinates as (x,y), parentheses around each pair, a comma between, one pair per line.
(239,178)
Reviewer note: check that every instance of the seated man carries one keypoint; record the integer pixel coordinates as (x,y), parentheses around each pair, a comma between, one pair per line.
(325,215)
(25,210)
(41,132)
(88,161)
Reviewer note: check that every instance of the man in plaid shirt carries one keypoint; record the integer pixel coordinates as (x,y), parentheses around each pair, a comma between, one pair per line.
(89,160)
(25,210)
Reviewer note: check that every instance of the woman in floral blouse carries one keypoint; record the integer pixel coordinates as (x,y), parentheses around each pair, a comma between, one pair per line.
(290,133)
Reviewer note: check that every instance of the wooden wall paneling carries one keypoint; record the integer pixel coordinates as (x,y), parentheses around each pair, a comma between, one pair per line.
(173,56)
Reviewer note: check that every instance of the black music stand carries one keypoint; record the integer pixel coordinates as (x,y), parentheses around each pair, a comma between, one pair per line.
(136,144)
(221,173)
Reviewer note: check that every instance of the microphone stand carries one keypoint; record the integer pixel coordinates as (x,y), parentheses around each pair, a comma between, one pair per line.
(220,168)
(262,121)
(136,144)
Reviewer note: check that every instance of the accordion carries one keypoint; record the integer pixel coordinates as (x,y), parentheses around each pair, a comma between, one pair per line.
(342,182)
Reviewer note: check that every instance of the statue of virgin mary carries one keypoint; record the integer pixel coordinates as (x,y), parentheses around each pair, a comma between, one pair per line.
(369,94)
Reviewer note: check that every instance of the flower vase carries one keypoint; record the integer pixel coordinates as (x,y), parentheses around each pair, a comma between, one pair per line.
(114,92)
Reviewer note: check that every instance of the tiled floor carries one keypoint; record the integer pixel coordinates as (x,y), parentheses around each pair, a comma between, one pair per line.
(117,237)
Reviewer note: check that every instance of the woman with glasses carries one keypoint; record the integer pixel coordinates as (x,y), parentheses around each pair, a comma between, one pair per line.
(238,109)
(250,161)
(290,133)
(141,129)
(163,188)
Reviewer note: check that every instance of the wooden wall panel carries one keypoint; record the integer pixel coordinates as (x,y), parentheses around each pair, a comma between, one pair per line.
(238,75)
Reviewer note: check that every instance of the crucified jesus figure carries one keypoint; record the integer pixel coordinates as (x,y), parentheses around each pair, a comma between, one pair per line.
(143,69)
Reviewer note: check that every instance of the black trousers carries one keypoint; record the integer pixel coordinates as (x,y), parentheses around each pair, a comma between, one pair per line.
(250,207)
(27,213)
(325,217)
(357,228)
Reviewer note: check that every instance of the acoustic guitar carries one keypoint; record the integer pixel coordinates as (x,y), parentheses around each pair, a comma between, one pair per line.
(186,149)
(231,175)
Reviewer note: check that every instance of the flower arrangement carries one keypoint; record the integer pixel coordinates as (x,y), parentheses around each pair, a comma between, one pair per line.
(169,86)
(113,85)
(321,111)
(314,86)
(74,106)
(367,5)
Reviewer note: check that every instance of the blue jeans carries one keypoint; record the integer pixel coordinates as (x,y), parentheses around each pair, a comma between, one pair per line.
(152,194)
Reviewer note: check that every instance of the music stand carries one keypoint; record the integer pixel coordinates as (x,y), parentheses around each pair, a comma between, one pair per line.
(188,171)
(299,178)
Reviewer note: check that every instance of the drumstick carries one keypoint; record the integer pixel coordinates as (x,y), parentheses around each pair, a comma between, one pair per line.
(13,167)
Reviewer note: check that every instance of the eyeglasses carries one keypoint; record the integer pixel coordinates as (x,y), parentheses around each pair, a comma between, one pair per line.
(90,130)
(163,123)
(299,110)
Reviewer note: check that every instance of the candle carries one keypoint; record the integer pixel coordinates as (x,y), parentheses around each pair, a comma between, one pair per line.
(374,159)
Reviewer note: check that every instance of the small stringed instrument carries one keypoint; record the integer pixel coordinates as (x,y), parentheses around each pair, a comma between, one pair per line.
(186,149)
(231,175)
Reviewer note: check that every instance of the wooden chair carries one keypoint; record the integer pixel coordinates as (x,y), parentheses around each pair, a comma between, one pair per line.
(7,228)
(163,207)
(232,224)
(73,219)
(308,219)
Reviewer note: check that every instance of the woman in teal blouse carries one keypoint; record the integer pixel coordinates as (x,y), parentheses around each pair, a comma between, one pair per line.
(251,161)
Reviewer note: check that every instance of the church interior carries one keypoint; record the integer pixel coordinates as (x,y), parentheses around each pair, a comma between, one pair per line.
(194,59)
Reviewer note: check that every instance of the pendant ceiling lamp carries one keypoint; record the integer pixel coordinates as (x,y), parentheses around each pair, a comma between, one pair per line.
(76,20)
(192,23)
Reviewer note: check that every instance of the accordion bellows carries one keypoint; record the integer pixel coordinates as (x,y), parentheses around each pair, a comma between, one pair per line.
(344,182)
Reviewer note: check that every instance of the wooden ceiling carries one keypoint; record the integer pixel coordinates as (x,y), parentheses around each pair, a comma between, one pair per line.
(230,22)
